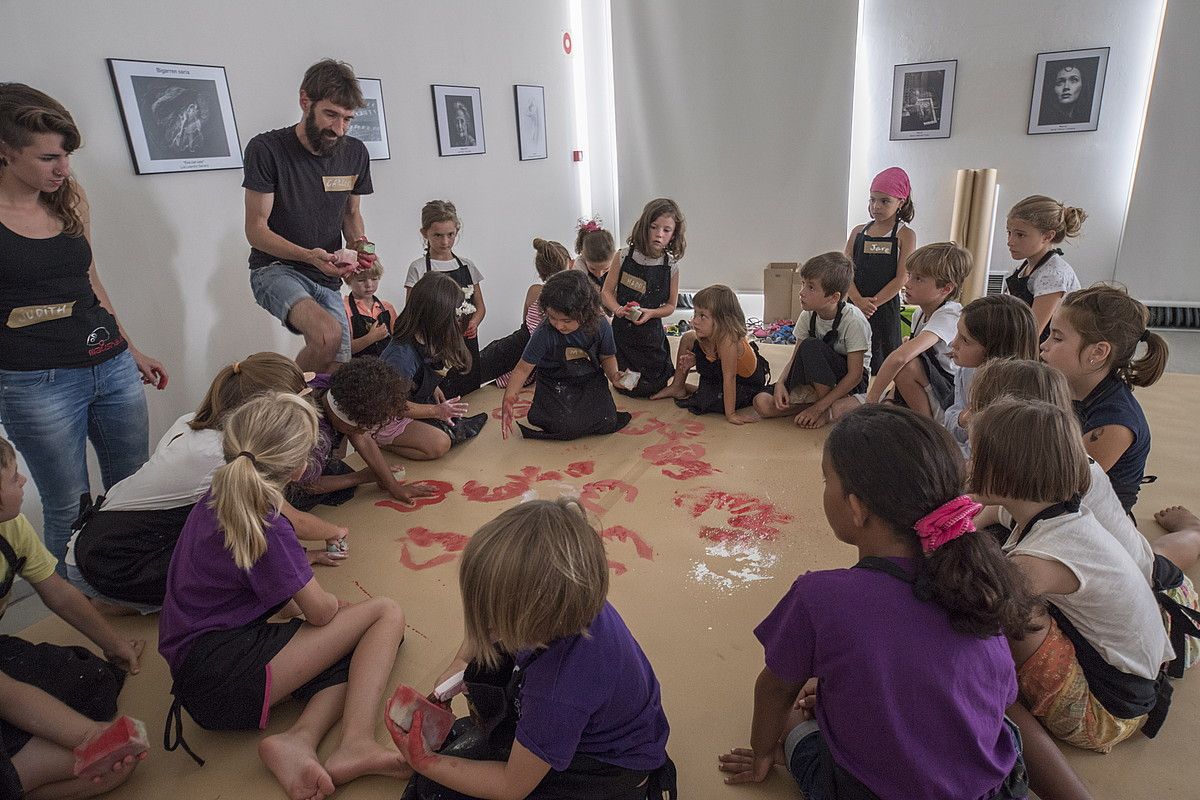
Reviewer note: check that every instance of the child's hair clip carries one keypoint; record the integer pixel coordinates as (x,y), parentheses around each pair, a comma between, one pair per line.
(590,225)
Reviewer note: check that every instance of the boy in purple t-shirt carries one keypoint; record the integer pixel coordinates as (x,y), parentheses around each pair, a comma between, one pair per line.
(901,697)
(586,705)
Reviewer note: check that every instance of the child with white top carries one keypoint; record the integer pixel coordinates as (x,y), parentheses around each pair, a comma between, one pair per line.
(1035,225)
(832,358)
(1090,669)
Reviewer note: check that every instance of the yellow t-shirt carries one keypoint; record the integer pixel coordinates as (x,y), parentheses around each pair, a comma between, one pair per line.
(39,564)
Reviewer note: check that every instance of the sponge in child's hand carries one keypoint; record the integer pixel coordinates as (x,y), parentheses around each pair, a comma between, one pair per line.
(630,379)
(345,257)
(124,737)
(435,720)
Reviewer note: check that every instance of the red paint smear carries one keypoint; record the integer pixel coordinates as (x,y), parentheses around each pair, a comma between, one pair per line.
(451,543)
(517,485)
(520,407)
(577,469)
(672,429)
(684,456)
(623,534)
(617,567)
(749,516)
(364,591)
(589,497)
(441,490)
(418,633)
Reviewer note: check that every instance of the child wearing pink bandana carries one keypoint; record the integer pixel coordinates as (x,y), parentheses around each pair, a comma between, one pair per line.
(893,678)
(879,250)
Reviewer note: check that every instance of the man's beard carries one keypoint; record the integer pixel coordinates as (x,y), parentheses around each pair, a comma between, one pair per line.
(323,142)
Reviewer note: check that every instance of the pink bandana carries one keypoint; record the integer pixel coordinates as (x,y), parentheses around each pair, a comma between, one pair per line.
(892,181)
(947,522)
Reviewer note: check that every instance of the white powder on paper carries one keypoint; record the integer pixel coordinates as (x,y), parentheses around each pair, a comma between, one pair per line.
(750,565)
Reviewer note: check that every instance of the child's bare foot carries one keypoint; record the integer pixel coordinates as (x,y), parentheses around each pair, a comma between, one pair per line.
(671,390)
(294,764)
(747,414)
(1177,518)
(111,609)
(366,758)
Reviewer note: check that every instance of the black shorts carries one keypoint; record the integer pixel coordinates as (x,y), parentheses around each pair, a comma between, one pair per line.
(224,681)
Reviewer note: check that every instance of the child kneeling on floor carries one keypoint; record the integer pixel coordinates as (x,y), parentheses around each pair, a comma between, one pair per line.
(542,637)
(928,720)
(236,564)
(575,358)
(832,358)
(51,697)
(1090,672)
(731,369)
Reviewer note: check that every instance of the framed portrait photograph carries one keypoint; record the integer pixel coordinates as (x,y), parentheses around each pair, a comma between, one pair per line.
(531,121)
(458,113)
(923,100)
(370,124)
(1067,87)
(178,117)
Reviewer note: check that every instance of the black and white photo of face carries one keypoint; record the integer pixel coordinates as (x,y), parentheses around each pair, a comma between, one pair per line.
(1068,84)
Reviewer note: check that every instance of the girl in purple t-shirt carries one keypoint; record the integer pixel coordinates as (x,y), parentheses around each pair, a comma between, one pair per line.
(237,563)
(897,668)
(578,690)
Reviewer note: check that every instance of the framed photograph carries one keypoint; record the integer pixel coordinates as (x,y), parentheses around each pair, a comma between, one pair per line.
(370,124)
(178,117)
(923,100)
(1067,87)
(458,112)
(531,121)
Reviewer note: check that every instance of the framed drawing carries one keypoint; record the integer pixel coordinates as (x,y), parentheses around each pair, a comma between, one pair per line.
(178,117)
(458,112)
(531,121)
(1067,87)
(923,100)
(370,124)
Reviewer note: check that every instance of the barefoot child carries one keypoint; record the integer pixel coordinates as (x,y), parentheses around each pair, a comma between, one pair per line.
(641,288)
(928,720)
(575,359)
(371,319)
(731,369)
(236,564)
(832,357)
(539,626)
(1090,670)
(49,675)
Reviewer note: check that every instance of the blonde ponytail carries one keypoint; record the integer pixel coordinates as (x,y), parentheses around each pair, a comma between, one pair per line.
(266,440)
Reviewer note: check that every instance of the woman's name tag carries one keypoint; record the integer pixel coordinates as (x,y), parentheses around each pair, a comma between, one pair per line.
(32,315)
(877,248)
(575,354)
(633,282)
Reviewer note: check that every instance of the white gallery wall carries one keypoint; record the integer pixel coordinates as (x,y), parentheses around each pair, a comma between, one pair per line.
(741,113)
(996,45)
(1158,259)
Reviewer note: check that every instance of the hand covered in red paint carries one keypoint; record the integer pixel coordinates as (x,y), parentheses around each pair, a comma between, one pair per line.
(408,492)
(506,415)
(411,743)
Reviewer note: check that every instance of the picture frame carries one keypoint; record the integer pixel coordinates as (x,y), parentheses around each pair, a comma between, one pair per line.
(458,116)
(1068,86)
(923,100)
(530,104)
(177,117)
(370,122)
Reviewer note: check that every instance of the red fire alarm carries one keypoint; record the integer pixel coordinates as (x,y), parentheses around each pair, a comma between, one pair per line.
(577,155)
(567,42)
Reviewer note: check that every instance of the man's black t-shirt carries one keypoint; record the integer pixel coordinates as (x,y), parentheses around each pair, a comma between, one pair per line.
(310,191)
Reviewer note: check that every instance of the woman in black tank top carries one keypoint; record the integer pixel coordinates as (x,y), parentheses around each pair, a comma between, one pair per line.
(67,371)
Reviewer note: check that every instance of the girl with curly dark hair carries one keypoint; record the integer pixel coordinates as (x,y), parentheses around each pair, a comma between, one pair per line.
(575,358)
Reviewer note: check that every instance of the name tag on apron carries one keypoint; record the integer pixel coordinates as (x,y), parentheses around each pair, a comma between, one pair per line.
(575,354)
(338,183)
(633,282)
(32,315)
(877,248)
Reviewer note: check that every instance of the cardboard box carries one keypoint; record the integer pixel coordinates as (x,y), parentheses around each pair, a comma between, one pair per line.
(778,279)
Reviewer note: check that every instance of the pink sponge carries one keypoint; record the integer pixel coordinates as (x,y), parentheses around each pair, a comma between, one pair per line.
(435,720)
(124,737)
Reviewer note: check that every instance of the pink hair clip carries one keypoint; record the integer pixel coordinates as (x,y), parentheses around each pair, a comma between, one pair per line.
(947,522)
(590,225)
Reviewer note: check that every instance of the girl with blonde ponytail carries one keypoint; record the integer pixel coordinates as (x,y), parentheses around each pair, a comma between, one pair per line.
(1035,226)
(237,563)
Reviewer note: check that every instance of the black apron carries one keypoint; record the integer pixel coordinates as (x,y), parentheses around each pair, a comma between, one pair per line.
(433,374)
(643,348)
(361,324)
(458,383)
(1018,286)
(876,259)
(494,699)
(125,555)
(709,397)
(572,398)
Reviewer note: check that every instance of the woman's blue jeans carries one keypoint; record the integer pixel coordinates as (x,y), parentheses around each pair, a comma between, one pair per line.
(51,414)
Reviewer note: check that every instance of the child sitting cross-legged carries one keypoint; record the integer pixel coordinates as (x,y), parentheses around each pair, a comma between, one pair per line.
(832,358)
